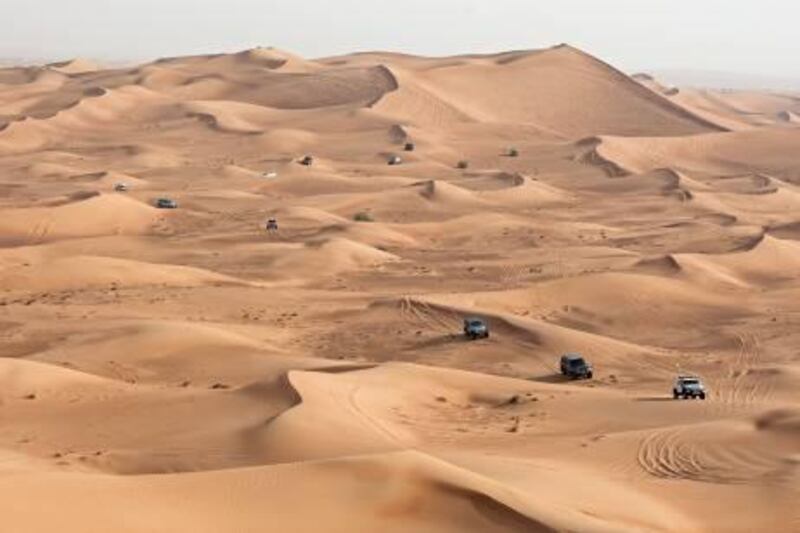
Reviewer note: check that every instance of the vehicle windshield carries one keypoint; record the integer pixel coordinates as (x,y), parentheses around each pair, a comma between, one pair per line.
(578,361)
(691,383)
(475,323)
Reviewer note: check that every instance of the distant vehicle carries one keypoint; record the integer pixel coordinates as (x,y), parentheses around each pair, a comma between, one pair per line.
(307,161)
(409,147)
(574,366)
(166,203)
(121,187)
(476,328)
(688,387)
(513,152)
(270,175)
(272,225)
(395,160)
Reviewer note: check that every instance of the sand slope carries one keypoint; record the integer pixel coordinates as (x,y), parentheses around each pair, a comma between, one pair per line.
(533,87)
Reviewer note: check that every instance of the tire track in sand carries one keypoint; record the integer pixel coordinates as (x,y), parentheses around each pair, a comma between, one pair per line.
(691,453)
(738,387)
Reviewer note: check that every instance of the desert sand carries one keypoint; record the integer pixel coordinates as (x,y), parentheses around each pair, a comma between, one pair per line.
(184,369)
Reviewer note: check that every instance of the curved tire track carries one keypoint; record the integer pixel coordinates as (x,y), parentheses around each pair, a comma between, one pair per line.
(680,453)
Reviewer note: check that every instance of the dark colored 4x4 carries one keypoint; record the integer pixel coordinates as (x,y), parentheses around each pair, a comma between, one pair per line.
(476,328)
(166,203)
(574,366)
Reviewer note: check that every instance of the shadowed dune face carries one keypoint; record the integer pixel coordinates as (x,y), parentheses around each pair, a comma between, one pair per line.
(283,347)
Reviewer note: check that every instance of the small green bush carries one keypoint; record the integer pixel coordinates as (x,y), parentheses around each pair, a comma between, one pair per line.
(363,216)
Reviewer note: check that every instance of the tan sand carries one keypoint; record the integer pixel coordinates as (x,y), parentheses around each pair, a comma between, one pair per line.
(186,370)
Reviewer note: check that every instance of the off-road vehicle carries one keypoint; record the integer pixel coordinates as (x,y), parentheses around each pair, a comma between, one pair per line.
(121,187)
(476,328)
(166,203)
(272,224)
(574,366)
(688,387)
(307,160)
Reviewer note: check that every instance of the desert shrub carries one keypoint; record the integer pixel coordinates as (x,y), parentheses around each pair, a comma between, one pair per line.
(363,216)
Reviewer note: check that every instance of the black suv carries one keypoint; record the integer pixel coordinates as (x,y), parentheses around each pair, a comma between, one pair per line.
(574,366)
(166,203)
(476,328)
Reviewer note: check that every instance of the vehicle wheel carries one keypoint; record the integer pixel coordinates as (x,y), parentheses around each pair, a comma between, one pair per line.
(702,396)
(589,375)
(674,395)
(486,336)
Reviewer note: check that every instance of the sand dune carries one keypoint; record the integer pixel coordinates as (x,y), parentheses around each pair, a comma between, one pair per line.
(74,66)
(607,96)
(86,271)
(763,150)
(733,110)
(770,260)
(325,88)
(99,215)
(193,369)
(328,257)
(407,477)
(107,179)
(272,58)
(447,194)
(230,117)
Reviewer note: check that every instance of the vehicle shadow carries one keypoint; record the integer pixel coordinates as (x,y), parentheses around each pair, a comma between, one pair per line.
(452,338)
(553,378)
(655,399)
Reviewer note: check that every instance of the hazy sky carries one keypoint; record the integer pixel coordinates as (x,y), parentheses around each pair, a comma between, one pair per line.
(755,36)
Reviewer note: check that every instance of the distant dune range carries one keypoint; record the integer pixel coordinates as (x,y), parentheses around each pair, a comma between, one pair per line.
(188,370)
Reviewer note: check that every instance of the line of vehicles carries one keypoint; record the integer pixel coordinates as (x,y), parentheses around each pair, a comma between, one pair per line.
(159,203)
(574,366)
(308,160)
(168,203)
